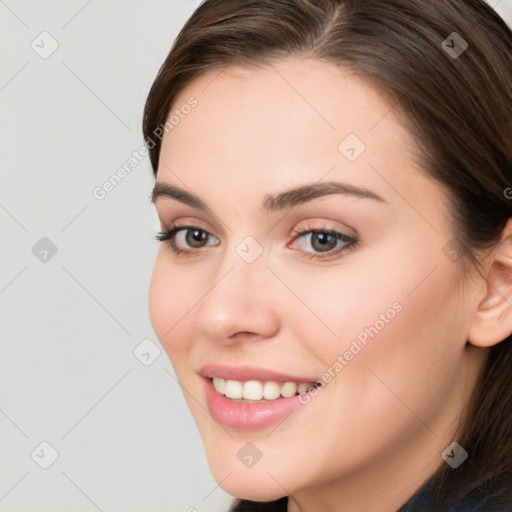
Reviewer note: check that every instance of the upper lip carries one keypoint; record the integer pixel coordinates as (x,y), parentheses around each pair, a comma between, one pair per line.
(244,373)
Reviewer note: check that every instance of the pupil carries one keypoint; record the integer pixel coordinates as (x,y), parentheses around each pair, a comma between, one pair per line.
(197,236)
(323,239)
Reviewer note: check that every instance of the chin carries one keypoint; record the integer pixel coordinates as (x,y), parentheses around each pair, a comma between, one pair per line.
(250,483)
(245,484)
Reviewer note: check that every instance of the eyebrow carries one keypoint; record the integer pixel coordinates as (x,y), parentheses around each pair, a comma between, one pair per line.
(271,203)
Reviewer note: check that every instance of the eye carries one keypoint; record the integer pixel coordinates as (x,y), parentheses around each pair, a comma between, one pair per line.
(191,237)
(325,242)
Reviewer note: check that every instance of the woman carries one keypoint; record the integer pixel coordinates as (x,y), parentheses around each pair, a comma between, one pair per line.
(334,287)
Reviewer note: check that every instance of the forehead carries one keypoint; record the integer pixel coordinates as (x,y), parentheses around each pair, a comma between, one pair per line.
(311,91)
(282,124)
(288,97)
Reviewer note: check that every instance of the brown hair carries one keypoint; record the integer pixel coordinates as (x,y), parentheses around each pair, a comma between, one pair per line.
(458,109)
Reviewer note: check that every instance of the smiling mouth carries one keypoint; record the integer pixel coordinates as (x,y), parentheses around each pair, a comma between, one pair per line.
(254,391)
(254,404)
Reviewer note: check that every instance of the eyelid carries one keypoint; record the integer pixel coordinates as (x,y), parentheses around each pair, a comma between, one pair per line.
(325,224)
(187,222)
(195,223)
(178,213)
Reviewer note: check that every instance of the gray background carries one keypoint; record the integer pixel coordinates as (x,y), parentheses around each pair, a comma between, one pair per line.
(71,319)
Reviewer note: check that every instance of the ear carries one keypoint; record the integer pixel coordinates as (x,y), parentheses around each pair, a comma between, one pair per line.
(492,321)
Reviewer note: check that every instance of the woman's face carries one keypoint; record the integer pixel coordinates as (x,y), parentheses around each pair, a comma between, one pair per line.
(381,322)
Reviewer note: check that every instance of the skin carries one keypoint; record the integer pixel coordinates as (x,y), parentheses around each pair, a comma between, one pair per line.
(375,432)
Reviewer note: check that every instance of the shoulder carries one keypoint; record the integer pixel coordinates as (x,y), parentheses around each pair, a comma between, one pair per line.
(486,497)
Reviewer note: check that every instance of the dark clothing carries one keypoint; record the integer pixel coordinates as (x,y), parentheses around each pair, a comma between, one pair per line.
(481,499)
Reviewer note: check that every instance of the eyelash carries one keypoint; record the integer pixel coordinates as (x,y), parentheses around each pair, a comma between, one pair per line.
(168,235)
(351,242)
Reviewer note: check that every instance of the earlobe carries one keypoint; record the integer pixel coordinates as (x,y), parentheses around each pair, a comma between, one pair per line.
(492,321)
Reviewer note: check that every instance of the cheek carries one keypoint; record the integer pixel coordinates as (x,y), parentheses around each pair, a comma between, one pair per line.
(396,319)
(332,307)
(170,300)
(399,282)
(408,363)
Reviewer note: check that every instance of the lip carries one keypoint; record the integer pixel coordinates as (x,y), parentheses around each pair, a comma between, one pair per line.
(245,416)
(243,373)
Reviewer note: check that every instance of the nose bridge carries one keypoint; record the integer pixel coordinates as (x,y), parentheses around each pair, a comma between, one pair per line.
(238,298)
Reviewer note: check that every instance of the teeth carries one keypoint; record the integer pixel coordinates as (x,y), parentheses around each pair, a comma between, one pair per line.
(219,384)
(288,389)
(252,390)
(271,390)
(255,390)
(233,389)
(302,387)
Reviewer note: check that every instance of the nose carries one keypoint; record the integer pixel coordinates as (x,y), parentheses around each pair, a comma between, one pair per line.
(239,302)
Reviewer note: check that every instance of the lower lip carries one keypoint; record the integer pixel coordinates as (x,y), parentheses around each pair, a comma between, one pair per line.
(248,416)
